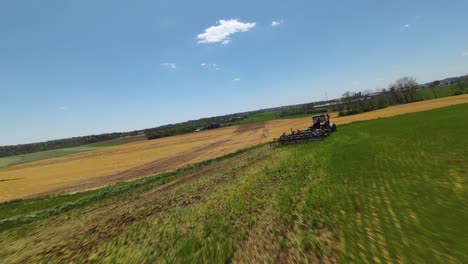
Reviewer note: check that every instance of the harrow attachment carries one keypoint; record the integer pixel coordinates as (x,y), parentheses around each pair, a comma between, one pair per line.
(318,130)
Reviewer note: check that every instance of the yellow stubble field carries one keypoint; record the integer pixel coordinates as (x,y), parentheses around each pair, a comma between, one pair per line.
(96,168)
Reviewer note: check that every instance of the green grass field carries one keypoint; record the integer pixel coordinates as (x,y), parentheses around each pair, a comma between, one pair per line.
(24,158)
(391,190)
(440,91)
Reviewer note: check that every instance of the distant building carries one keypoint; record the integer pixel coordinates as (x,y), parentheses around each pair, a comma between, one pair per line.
(332,103)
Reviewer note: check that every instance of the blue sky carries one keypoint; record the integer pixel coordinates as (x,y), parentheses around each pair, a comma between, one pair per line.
(70,68)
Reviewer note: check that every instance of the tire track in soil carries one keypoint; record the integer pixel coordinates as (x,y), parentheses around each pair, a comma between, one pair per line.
(152,168)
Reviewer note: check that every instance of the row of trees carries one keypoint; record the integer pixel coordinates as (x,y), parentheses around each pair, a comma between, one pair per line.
(461,87)
(403,90)
(57,144)
(162,131)
(193,125)
(300,110)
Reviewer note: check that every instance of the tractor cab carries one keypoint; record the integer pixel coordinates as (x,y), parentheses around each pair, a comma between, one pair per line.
(322,122)
(319,119)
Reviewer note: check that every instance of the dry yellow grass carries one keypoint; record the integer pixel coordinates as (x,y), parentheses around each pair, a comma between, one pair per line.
(100,167)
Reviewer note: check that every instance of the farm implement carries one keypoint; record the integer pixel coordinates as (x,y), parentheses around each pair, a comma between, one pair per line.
(319,129)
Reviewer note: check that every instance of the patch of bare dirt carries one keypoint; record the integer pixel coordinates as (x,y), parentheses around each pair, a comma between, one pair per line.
(124,140)
(250,127)
(162,164)
(152,168)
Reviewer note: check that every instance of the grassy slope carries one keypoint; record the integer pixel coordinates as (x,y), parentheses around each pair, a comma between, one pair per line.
(396,187)
(19,212)
(388,189)
(440,91)
(18,159)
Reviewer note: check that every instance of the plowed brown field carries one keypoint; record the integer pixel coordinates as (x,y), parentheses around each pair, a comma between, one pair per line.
(91,169)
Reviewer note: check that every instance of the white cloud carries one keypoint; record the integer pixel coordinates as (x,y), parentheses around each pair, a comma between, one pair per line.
(210,65)
(276,23)
(465,54)
(222,30)
(406,25)
(170,65)
(63,108)
(236,79)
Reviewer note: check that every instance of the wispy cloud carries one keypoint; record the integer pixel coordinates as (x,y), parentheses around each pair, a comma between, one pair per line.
(406,25)
(210,65)
(465,54)
(170,65)
(277,23)
(236,79)
(63,108)
(223,29)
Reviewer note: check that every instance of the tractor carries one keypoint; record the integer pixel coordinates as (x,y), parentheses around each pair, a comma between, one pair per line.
(318,130)
(322,122)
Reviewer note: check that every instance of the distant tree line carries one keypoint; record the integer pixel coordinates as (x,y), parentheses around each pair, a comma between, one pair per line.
(461,87)
(193,125)
(56,144)
(303,109)
(402,91)
(162,131)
